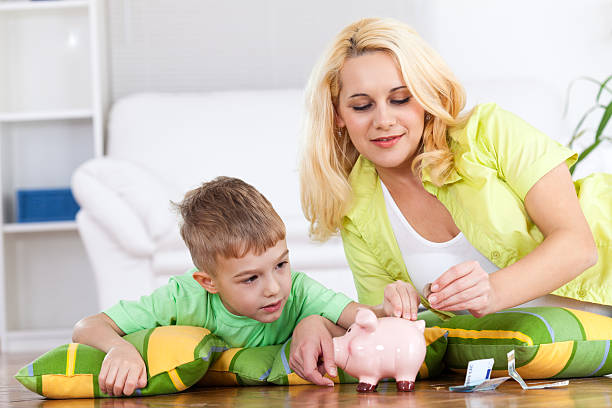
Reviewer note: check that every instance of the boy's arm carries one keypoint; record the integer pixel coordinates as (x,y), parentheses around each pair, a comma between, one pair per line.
(312,352)
(123,369)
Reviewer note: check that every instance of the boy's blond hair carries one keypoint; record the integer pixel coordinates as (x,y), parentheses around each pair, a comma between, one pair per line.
(227,217)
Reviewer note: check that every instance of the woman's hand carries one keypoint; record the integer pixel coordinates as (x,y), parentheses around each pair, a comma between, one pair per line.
(465,286)
(401,300)
(312,340)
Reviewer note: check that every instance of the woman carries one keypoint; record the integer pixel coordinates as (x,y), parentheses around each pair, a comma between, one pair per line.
(481,205)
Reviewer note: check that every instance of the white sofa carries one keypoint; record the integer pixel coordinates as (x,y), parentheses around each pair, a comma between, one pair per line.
(161,145)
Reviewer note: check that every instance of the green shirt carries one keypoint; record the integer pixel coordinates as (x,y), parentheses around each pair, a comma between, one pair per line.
(184,302)
(498,158)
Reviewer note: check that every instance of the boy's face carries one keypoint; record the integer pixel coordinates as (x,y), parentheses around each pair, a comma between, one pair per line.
(255,286)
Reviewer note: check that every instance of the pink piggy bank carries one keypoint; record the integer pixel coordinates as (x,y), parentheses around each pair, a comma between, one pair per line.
(375,348)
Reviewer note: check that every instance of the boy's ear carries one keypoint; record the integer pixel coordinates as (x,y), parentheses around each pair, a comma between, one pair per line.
(206,281)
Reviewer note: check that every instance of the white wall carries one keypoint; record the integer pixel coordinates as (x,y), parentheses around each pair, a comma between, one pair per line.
(539,46)
(493,46)
(201,45)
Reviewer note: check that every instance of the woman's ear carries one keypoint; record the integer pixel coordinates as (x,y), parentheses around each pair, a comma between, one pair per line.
(338,119)
(206,281)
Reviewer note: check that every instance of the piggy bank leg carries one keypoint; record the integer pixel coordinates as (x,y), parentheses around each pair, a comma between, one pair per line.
(405,381)
(367,384)
(405,386)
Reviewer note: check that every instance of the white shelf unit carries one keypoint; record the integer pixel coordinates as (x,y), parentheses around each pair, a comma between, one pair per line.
(53,100)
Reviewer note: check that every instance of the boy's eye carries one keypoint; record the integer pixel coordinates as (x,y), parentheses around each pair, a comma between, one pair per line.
(250,279)
(362,107)
(281,265)
(400,101)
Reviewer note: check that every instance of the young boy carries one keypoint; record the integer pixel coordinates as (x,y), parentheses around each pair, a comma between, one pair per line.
(242,288)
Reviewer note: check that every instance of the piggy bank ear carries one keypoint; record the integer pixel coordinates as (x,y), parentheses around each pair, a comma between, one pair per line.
(420,324)
(366,319)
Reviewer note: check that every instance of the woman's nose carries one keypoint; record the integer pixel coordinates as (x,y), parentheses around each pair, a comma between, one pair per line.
(383,118)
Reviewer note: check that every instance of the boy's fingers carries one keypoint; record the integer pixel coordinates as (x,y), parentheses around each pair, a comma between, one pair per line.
(327,348)
(102,376)
(142,380)
(131,381)
(110,380)
(120,382)
(309,367)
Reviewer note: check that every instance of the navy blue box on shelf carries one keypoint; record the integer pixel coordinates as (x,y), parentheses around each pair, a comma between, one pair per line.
(41,205)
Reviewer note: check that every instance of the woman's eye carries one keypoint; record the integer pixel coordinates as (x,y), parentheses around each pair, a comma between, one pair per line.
(362,107)
(400,101)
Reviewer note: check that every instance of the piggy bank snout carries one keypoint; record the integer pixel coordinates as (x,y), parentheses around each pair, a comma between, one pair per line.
(340,351)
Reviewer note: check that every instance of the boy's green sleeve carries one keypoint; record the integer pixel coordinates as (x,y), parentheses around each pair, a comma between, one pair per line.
(316,299)
(180,302)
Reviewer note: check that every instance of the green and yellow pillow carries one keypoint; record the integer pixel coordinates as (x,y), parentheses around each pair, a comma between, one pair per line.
(549,342)
(265,365)
(178,357)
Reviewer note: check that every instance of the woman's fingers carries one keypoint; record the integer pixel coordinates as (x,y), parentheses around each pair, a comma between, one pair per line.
(466,287)
(464,297)
(401,300)
(455,280)
(392,302)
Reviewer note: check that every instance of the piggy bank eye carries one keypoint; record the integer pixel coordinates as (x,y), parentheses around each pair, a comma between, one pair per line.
(349,329)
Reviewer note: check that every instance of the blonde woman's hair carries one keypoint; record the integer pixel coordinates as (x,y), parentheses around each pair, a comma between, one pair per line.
(227,217)
(327,152)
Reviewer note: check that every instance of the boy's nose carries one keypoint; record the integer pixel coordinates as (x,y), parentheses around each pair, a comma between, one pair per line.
(272,287)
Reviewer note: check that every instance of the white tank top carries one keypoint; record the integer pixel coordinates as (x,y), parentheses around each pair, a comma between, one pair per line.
(426,260)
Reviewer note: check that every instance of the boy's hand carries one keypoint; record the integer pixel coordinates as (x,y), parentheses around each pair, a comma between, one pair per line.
(311,341)
(401,300)
(123,371)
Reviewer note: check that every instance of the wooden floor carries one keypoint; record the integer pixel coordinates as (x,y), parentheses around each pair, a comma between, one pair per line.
(582,392)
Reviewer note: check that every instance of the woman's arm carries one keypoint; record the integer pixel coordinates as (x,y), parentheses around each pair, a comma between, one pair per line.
(568,250)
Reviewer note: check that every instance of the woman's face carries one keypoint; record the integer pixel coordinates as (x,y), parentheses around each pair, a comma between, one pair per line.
(384,122)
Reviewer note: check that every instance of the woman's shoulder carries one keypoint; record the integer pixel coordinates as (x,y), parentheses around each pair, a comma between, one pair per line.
(483,128)
(364,183)
(479,116)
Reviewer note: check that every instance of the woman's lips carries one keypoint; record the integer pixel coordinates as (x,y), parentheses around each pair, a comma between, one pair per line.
(273,307)
(387,141)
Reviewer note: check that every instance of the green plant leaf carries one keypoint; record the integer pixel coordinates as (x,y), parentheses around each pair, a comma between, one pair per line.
(584,154)
(577,132)
(602,87)
(605,118)
(571,85)
(603,121)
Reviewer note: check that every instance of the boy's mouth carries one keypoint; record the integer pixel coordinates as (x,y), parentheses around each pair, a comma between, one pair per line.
(273,307)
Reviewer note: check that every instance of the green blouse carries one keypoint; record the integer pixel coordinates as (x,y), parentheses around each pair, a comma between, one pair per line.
(498,158)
